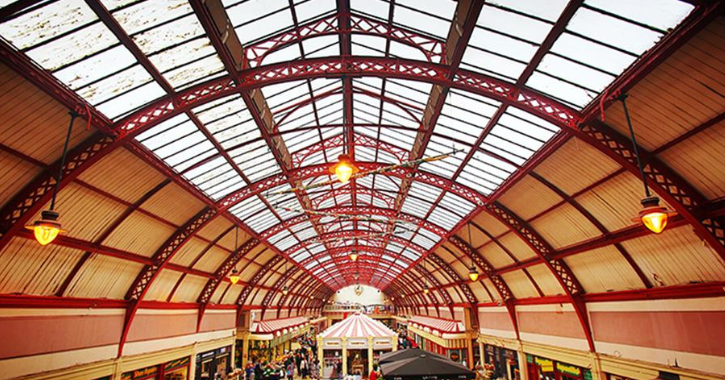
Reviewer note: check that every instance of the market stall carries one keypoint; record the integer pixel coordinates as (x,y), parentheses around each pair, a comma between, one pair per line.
(443,336)
(270,338)
(360,336)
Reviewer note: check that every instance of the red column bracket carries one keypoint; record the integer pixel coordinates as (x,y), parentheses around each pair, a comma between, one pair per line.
(160,259)
(567,280)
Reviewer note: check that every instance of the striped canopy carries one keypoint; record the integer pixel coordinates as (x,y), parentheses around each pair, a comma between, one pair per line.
(442,325)
(274,325)
(358,326)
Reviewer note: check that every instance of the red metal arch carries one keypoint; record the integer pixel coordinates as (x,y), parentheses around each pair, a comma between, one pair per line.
(558,267)
(162,257)
(388,200)
(271,263)
(359,210)
(431,48)
(224,269)
(338,141)
(501,286)
(420,250)
(347,67)
(436,285)
(685,199)
(29,201)
(221,273)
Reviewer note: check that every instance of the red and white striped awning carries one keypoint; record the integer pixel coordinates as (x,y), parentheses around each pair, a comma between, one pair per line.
(358,326)
(274,325)
(443,325)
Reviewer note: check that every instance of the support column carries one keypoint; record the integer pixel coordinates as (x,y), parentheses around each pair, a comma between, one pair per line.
(320,352)
(469,348)
(596,367)
(523,364)
(245,349)
(481,358)
(370,355)
(344,356)
(192,360)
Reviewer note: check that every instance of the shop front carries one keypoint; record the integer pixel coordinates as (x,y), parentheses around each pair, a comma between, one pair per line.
(442,336)
(173,370)
(500,363)
(269,339)
(213,364)
(548,369)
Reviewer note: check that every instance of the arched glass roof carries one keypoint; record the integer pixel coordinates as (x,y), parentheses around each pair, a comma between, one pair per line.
(124,57)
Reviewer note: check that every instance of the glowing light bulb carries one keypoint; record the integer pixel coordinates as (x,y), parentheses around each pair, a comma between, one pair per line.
(653,216)
(344,169)
(353,256)
(47,228)
(473,273)
(234,277)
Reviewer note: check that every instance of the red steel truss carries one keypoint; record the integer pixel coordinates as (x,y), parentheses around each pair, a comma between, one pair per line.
(666,183)
(432,49)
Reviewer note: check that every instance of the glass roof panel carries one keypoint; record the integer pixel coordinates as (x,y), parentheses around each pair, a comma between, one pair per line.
(53,20)
(432,17)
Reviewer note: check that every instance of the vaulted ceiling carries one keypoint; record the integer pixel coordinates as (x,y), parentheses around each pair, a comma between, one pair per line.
(198,118)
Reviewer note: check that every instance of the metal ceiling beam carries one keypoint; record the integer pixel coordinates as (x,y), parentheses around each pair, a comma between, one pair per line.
(221,273)
(599,226)
(461,29)
(664,181)
(557,267)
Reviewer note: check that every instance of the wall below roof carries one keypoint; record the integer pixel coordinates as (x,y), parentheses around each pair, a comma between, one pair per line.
(689,333)
(42,340)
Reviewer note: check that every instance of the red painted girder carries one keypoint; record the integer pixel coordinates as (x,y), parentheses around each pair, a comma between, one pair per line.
(433,49)
(224,269)
(310,172)
(337,67)
(602,229)
(271,263)
(558,268)
(196,259)
(665,182)
(338,140)
(359,211)
(504,291)
(373,194)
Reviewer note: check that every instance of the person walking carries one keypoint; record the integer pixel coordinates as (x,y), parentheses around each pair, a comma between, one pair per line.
(303,368)
(315,370)
(374,373)
(290,371)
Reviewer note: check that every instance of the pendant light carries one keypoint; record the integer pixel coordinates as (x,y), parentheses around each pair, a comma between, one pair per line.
(344,169)
(652,215)
(47,228)
(472,271)
(234,277)
(353,255)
